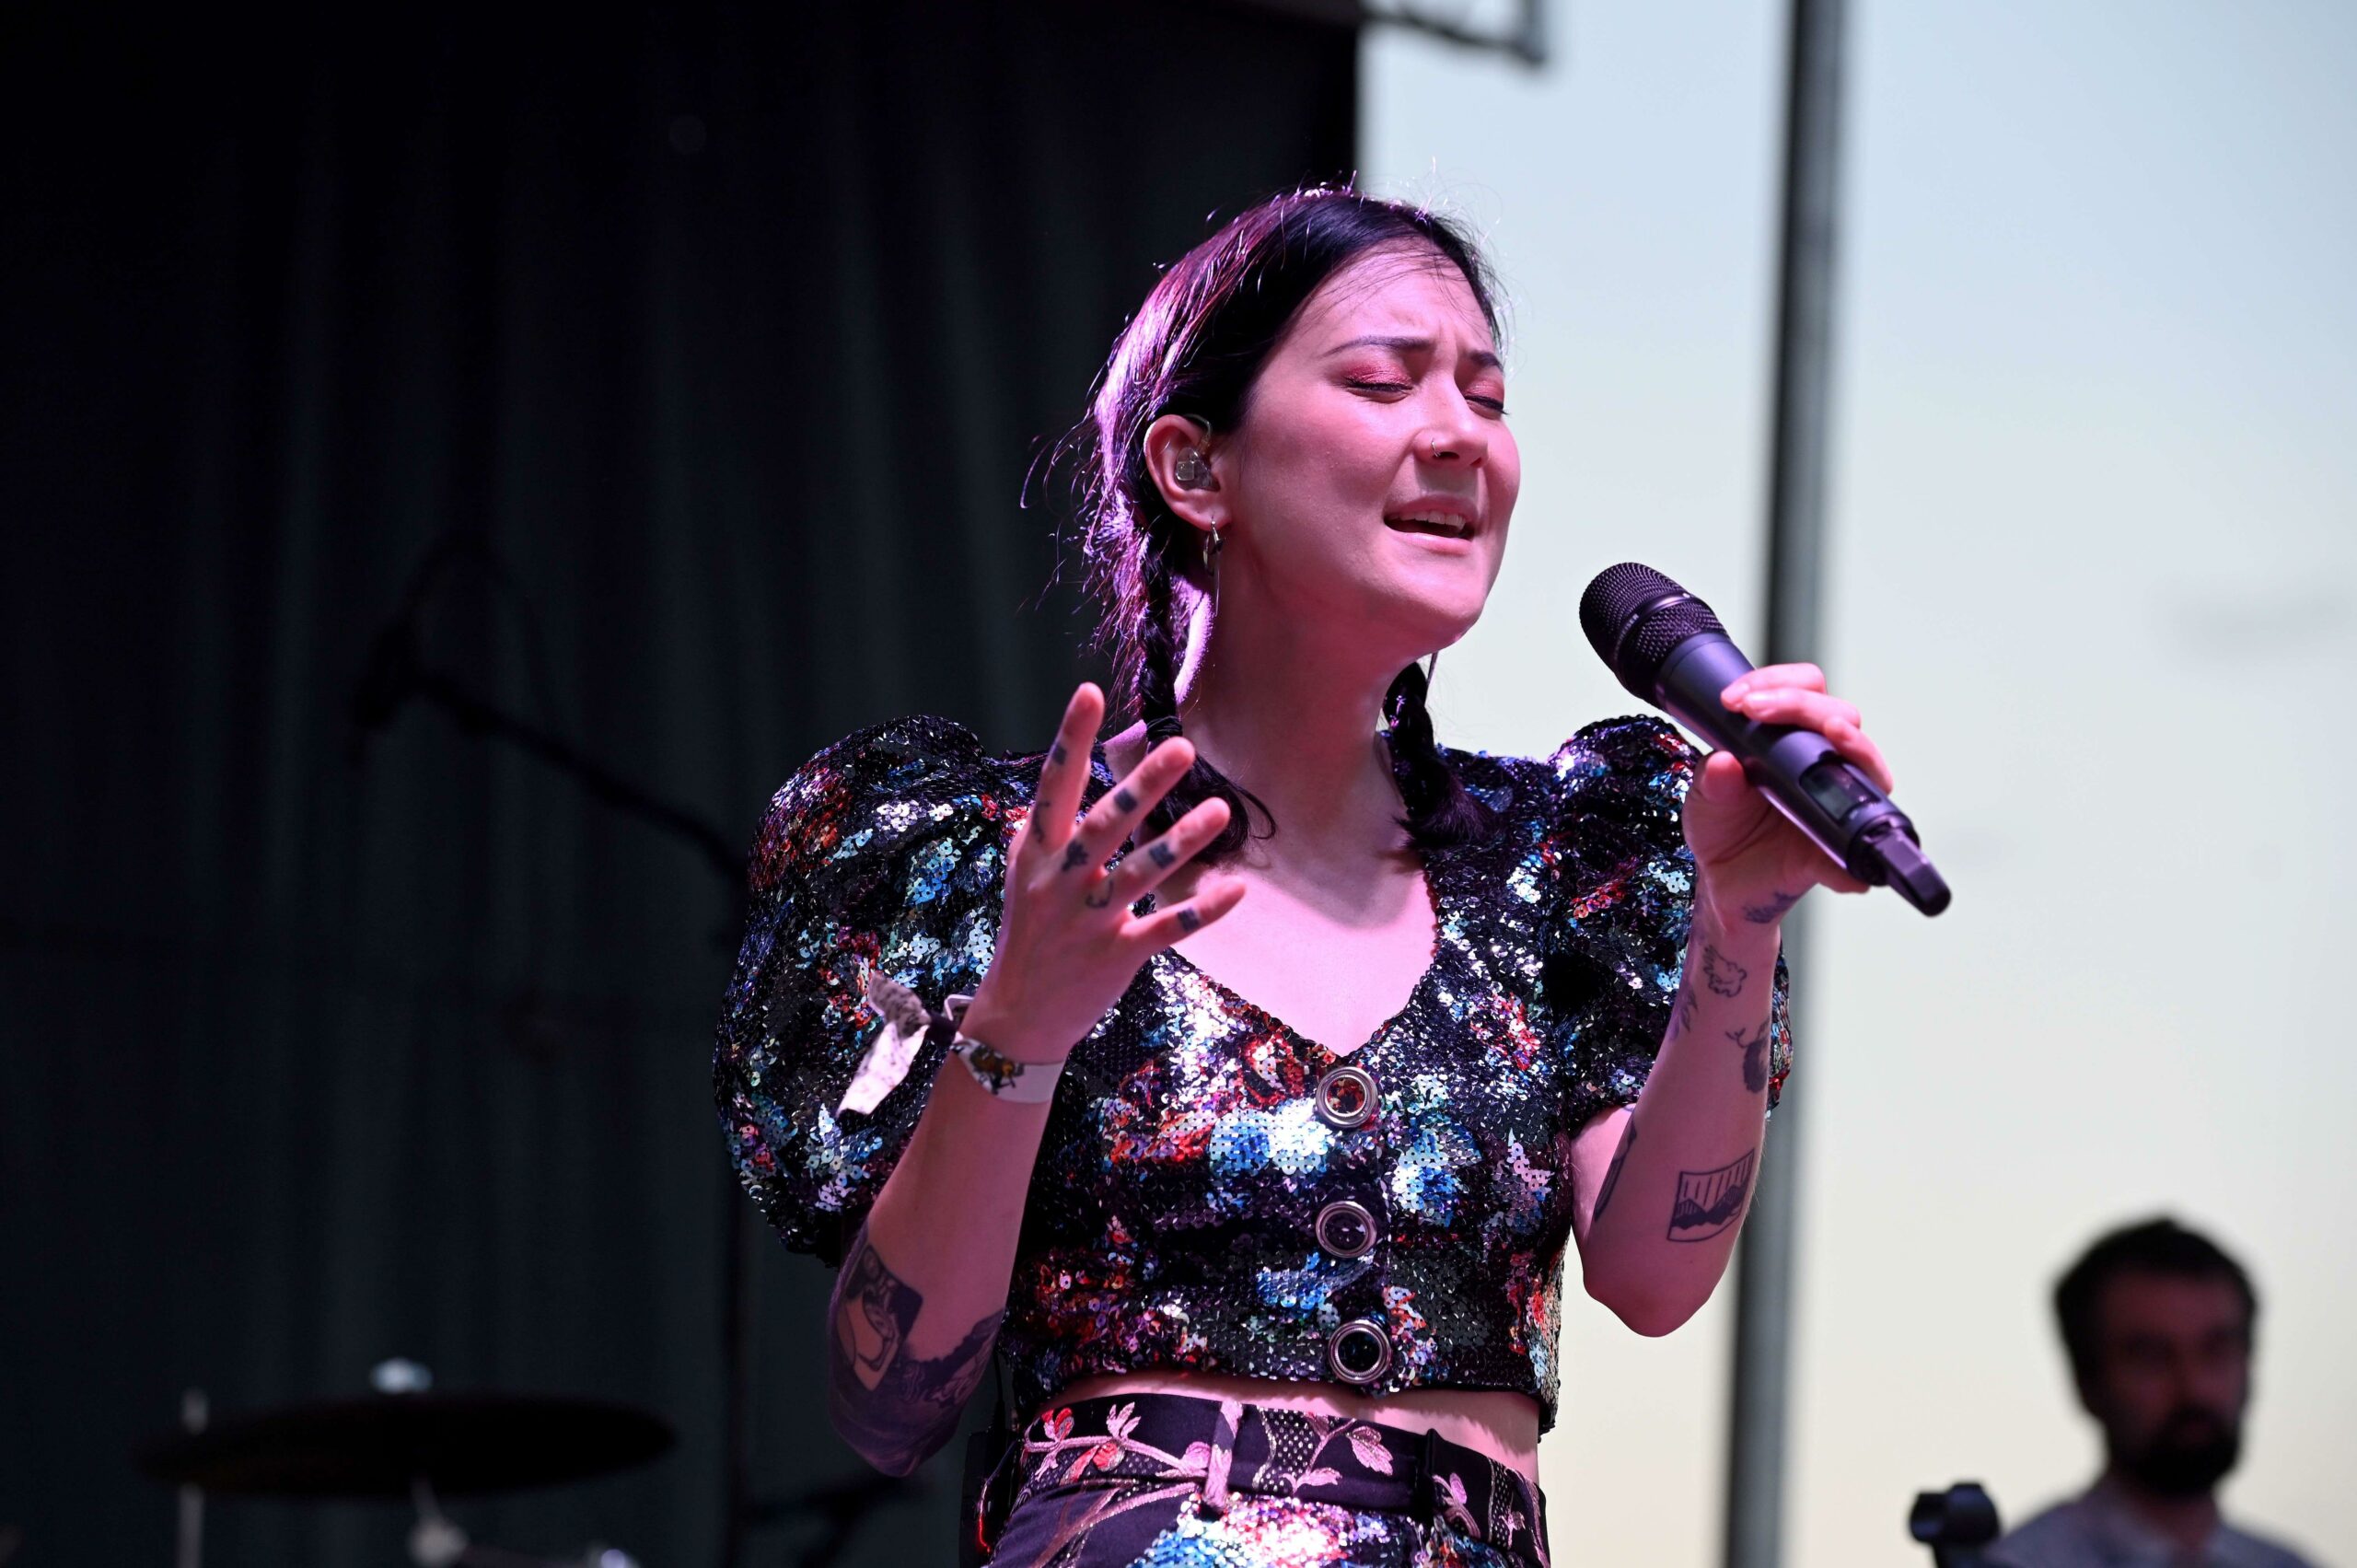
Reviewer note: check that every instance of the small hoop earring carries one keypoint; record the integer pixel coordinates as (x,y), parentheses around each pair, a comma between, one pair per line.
(1436,452)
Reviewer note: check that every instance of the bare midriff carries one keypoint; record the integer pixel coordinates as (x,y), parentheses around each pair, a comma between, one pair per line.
(1490,1420)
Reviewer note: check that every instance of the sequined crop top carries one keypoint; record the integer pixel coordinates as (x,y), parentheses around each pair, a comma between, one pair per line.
(1214,1190)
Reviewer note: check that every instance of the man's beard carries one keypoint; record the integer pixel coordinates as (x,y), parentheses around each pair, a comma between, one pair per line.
(2193,1451)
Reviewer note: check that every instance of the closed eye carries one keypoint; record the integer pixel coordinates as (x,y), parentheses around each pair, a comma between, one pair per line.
(1485,401)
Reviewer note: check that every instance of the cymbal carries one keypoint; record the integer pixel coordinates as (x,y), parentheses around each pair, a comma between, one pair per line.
(378,1447)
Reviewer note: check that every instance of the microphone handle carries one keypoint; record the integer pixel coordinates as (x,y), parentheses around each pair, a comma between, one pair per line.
(1801,774)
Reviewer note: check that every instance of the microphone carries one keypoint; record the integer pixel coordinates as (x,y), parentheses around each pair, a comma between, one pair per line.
(1668,648)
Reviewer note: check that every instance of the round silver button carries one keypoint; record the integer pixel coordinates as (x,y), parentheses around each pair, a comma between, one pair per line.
(1346,1096)
(1359,1351)
(1345,1229)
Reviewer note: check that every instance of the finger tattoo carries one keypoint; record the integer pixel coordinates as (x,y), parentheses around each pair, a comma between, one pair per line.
(1056,752)
(1099,897)
(1125,800)
(1189,921)
(1075,855)
(1162,853)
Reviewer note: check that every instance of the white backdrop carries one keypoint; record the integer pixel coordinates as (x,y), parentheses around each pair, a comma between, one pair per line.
(2094,580)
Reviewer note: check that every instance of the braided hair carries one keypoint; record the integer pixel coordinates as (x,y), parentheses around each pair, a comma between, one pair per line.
(1194,349)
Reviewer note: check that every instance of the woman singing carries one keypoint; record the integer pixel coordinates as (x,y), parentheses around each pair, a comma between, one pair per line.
(1299,1046)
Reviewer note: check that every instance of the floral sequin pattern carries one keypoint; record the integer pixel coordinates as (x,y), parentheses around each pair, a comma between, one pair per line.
(1215,1191)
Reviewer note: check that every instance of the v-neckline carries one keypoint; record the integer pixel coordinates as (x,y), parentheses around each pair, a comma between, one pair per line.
(1101,771)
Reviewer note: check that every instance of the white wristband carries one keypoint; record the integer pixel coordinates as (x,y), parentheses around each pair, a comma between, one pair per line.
(1023,1083)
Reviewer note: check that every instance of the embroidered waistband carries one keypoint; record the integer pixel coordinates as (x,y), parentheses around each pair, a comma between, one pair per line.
(1231,1446)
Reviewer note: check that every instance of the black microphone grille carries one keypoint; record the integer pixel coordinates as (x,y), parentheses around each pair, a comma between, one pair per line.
(1633,616)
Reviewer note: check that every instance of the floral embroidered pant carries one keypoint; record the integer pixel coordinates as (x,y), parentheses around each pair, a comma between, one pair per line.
(1166,1481)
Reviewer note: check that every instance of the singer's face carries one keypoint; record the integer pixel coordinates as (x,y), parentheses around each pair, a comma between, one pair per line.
(1373,474)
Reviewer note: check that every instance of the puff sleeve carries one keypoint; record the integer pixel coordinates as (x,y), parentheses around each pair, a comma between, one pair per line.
(886,851)
(1613,940)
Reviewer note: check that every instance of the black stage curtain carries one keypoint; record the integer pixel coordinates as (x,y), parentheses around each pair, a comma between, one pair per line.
(703,350)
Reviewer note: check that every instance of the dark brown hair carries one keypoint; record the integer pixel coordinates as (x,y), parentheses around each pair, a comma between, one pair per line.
(2156,1246)
(1195,348)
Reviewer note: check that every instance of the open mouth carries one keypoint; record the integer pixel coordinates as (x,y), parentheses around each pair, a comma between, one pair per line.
(1443,525)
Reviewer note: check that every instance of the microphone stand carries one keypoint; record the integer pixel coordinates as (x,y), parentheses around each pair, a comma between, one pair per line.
(840,1506)
(395,673)
(1955,1523)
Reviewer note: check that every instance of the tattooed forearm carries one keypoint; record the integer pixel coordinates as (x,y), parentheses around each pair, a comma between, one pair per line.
(1710,1202)
(893,1408)
(1613,1171)
(1755,1056)
(1681,1013)
(1774,910)
(1725,976)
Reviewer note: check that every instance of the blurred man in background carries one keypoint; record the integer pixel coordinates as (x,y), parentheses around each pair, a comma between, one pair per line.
(2158,1323)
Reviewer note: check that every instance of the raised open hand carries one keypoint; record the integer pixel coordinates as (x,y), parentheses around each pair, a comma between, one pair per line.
(1751,864)
(1067,943)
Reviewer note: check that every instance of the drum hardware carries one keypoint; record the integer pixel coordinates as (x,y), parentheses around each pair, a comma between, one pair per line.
(405,1441)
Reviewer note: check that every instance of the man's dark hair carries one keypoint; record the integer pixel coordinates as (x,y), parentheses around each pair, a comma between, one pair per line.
(2155,1247)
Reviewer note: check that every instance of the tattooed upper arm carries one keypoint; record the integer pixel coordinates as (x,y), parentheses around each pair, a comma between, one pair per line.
(894,1409)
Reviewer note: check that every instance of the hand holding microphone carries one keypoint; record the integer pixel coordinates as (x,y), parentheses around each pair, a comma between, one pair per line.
(1819,811)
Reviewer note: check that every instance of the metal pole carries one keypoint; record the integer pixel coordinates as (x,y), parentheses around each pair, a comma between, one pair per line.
(195,1411)
(1764,1266)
